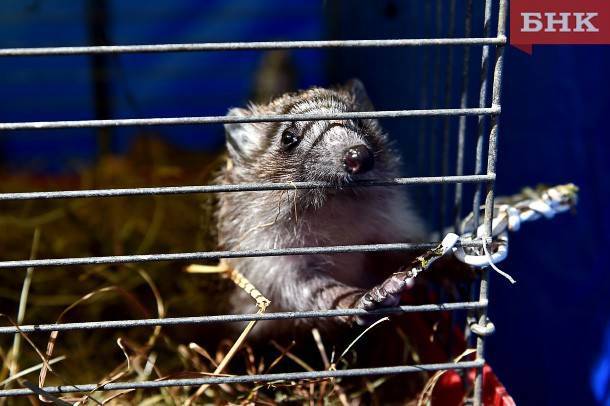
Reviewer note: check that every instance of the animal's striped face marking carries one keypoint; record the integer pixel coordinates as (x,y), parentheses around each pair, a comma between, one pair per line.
(330,150)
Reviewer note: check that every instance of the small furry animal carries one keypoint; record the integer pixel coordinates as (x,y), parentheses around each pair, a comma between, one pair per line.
(336,151)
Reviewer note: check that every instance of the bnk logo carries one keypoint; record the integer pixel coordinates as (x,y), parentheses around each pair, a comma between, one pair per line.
(533,22)
(559,22)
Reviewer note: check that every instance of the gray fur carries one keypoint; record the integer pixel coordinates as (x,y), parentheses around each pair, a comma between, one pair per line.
(300,218)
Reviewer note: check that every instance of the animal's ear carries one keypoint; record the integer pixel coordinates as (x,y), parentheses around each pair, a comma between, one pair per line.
(243,139)
(356,88)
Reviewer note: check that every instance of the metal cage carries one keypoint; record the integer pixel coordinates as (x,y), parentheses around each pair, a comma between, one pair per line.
(484,177)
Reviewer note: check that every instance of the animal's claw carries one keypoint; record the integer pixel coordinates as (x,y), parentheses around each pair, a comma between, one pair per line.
(388,293)
(384,295)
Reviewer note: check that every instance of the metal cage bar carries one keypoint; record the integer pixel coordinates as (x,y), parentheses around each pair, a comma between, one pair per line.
(480,305)
(246,46)
(489,198)
(249,378)
(476,204)
(47,125)
(237,187)
(190,256)
(231,318)
(459,170)
(447,119)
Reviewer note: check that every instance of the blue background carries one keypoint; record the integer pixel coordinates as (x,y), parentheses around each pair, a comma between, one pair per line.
(552,344)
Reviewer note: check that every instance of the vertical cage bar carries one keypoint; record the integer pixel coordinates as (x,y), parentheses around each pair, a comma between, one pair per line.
(432,136)
(451,32)
(476,204)
(423,139)
(489,198)
(459,166)
(495,120)
(447,120)
(458,196)
(478,169)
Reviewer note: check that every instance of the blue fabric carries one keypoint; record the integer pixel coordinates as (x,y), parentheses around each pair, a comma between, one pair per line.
(142,85)
(554,130)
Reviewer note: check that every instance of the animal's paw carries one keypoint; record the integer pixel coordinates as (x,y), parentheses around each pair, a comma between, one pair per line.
(384,295)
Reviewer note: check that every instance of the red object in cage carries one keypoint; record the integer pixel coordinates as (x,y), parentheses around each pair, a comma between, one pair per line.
(452,387)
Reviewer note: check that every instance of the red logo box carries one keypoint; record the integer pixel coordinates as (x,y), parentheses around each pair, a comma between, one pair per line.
(559,22)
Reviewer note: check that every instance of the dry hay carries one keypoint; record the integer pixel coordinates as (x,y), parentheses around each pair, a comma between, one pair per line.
(139,225)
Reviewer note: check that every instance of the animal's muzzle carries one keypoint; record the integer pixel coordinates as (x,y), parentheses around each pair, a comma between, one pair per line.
(358,159)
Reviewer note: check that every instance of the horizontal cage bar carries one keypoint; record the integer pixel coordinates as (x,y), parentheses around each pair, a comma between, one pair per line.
(290,376)
(248,46)
(230,318)
(44,125)
(191,256)
(241,187)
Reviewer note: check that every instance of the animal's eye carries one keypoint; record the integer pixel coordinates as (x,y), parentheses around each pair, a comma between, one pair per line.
(289,138)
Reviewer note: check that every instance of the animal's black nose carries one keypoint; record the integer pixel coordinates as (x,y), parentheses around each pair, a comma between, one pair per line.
(358,159)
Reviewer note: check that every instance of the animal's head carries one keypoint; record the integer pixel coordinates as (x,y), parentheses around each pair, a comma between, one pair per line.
(336,151)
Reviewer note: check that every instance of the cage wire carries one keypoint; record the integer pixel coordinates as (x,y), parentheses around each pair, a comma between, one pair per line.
(435,137)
